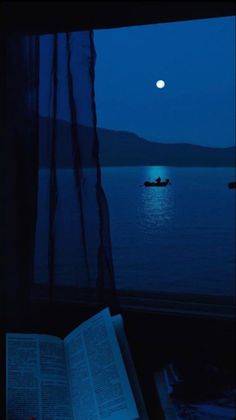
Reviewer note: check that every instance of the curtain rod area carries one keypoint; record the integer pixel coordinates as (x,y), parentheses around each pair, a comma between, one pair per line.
(47,17)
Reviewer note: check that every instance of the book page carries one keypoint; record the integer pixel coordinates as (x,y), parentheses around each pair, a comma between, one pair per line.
(36,378)
(99,383)
(129,364)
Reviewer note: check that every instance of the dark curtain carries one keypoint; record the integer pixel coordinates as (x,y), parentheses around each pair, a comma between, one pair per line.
(21,80)
(57,221)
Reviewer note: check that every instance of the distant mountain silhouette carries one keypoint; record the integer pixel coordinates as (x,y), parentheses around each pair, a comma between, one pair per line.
(122,148)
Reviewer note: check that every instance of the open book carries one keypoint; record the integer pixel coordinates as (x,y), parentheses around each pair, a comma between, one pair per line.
(87,376)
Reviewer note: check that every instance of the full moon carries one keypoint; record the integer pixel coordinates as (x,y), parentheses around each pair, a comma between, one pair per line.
(160,84)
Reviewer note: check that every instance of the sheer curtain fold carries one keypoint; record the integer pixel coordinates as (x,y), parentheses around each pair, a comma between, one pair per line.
(57,204)
(53,186)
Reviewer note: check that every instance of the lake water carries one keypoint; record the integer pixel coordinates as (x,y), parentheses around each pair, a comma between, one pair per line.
(180,238)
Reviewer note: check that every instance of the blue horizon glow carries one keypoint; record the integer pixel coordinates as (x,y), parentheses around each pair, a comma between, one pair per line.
(196,59)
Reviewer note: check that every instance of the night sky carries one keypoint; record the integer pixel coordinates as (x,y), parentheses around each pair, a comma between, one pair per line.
(196,59)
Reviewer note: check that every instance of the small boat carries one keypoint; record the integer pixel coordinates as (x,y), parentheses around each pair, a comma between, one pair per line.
(157,184)
(232,184)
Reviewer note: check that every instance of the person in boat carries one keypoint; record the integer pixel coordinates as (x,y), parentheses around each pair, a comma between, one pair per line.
(158,180)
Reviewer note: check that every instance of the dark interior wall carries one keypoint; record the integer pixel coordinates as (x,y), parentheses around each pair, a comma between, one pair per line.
(52,16)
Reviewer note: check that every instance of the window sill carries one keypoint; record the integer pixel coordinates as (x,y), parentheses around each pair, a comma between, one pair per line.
(197,306)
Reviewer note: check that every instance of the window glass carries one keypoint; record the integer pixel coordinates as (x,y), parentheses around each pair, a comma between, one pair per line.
(165,97)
